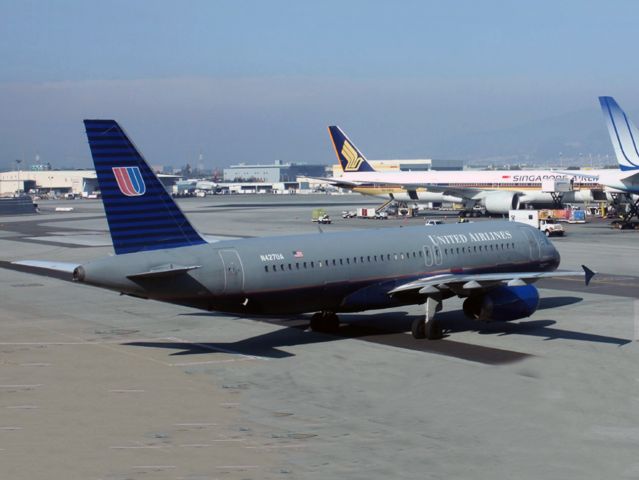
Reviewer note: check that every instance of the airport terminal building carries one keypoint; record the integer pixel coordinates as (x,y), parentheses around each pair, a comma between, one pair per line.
(273,173)
(57,182)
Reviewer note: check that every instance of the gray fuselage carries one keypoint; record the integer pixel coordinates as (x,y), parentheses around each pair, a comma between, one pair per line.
(346,271)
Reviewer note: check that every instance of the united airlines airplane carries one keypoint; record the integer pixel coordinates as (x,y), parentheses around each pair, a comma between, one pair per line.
(160,256)
(497,191)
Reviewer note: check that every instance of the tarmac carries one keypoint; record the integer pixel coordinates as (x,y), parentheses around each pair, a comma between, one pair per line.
(94,385)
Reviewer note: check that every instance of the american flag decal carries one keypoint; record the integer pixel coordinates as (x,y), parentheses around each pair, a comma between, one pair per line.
(298,254)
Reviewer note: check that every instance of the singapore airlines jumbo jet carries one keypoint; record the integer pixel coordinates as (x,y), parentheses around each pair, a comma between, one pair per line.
(497,191)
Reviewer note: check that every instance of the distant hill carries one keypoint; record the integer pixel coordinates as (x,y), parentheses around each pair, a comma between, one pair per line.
(576,135)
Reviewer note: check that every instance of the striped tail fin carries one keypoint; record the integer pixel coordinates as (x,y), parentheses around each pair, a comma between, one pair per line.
(623,133)
(347,153)
(141,214)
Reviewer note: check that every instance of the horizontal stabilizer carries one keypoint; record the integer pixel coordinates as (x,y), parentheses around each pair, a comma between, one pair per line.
(163,271)
(47,265)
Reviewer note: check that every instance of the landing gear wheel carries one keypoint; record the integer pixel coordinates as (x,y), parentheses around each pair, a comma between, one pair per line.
(433,330)
(428,327)
(327,322)
(418,328)
(331,322)
(430,330)
(317,322)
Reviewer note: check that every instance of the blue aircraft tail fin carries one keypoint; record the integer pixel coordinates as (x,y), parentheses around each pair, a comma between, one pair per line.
(140,212)
(623,133)
(347,153)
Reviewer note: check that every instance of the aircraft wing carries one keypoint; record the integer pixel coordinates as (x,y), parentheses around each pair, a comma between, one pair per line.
(463,192)
(453,191)
(467,284)
(339,182)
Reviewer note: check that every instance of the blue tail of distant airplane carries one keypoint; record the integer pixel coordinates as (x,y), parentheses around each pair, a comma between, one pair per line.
(623,133)
(348,155)
(140,212)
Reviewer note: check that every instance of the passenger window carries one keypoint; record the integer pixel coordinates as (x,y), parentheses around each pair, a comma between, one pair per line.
(266,268)
(304,264)
(401,256)
(361,259)
(334,262)
(290,267)
(297,265)
(348,261)
(319,264)
(354,259)
(368,258)
(313,264)
(282,267)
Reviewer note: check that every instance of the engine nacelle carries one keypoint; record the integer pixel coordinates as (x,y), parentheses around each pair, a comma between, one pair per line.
(500,202)
(503,303)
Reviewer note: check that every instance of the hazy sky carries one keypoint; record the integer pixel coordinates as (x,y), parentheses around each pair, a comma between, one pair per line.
(256,81)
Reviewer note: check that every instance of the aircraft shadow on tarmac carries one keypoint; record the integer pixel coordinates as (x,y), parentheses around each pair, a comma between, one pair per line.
(389,328)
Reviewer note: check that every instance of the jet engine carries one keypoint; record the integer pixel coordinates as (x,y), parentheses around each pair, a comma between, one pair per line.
(503,303)
(500,202)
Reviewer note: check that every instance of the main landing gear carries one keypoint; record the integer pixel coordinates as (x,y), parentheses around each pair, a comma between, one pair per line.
(428,327)
(326,322)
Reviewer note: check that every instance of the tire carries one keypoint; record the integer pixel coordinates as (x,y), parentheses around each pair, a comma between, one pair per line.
(317,322)
(324,322)
(434,330)
(418,329)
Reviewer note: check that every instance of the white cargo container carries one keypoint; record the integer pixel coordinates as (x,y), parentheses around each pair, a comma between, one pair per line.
(366,212)
(556,185)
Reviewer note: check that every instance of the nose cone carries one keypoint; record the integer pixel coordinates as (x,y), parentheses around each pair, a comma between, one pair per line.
(550,254)
(555,257)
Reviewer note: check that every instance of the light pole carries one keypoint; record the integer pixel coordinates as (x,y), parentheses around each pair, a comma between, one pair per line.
(18,162)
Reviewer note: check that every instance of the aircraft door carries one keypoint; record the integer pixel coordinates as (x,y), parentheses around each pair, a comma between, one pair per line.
(533,244)
(437,255)
(233,271)
(428,256)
